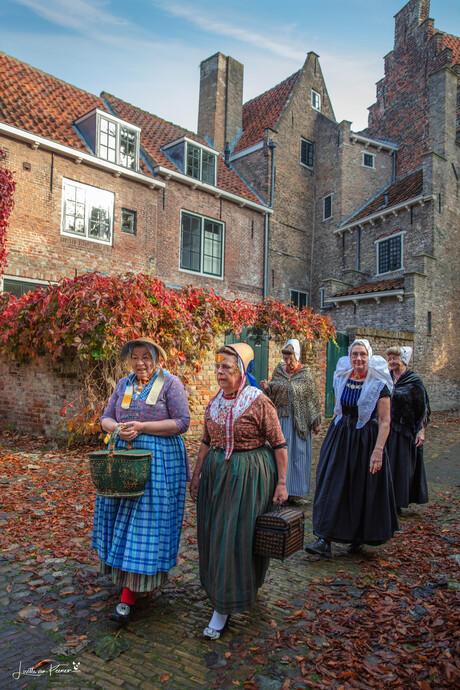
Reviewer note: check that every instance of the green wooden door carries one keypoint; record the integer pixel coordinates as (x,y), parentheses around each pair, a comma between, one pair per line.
(333,353)
(258,340)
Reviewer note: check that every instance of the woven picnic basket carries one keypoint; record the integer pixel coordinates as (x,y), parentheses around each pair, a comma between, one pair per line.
(279,533)
(120,473)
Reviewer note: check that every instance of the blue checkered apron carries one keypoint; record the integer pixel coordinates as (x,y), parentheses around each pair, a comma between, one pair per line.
(141,535)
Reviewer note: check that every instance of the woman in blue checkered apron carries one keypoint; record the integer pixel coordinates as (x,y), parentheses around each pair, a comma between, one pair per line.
(137,539)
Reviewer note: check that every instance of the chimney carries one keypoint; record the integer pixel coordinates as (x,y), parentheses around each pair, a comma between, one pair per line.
(220,111)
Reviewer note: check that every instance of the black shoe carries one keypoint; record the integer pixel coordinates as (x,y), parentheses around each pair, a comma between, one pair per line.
(321,547)
(354,547)
(123,613)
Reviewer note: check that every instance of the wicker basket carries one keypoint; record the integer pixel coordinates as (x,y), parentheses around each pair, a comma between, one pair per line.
(279,533)
(119,474)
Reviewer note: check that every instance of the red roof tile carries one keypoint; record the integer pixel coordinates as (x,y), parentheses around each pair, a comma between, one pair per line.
(402,190)
(156,133)
(379,286)
(42,104)
(264,111)
(450,41)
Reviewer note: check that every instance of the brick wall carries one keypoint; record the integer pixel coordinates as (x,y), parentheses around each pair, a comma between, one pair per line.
(31,395)
(37,250)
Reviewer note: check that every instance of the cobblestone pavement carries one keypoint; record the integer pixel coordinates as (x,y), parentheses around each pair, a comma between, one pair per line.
(47,614)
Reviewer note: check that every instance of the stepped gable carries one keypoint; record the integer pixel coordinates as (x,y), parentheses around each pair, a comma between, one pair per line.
(264,111)
(42,104)
(156,133)
(402,190)
(379,286)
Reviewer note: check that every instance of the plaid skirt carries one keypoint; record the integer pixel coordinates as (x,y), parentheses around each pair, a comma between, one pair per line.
(141,534)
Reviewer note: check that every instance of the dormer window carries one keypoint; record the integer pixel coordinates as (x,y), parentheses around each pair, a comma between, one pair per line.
(111,138)
(193,159)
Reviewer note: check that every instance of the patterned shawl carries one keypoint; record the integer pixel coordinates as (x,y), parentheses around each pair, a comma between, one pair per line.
(296,395)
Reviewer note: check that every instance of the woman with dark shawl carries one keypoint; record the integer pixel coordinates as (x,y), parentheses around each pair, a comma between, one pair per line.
(294,393)
(410,413)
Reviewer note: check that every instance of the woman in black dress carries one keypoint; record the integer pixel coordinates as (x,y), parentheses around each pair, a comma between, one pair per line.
(354,501)
(410,412)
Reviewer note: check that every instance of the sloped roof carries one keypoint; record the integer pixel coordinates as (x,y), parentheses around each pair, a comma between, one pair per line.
(453,42)
(156,133)
(264,111)
(42,104)
(369,288)
(402,190)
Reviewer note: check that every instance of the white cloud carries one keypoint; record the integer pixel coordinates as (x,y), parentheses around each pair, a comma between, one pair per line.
(205,22)
(74,14)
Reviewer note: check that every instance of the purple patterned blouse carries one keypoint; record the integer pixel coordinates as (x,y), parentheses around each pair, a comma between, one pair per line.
(172,403)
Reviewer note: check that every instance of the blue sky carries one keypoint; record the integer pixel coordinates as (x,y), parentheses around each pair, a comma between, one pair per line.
(148,52)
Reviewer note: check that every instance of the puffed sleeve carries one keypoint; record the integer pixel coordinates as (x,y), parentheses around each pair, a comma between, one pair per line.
(111,409)
(269,423)
(177,404)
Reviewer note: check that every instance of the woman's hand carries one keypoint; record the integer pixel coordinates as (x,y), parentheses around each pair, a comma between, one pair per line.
(264,385)
(316,429)
(376,461)
(194,484)
(281,495)
(420,438)
(130,430)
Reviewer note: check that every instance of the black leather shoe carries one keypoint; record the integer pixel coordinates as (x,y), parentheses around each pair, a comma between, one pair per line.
(123,613)
(354,547)
(321,547)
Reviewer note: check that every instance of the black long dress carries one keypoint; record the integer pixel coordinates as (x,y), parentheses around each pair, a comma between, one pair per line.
(410,410)
(351,504)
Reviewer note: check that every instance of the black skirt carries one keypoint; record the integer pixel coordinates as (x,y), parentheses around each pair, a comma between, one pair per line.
(351,504)
(407,468)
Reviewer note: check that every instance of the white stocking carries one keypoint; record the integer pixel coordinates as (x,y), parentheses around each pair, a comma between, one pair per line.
(217,621)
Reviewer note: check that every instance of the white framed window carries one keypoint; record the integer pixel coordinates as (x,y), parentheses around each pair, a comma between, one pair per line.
(307,153)
(111,138)
(315,100)
(201,164)
(87,212)
(118,142)
(327,207)
(389,253)
(368,160)
(299,299)
(322,298)
(202,245)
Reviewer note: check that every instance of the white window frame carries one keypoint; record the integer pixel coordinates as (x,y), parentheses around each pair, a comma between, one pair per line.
(316,100)
(372,155)
(21,279)
(201,272)
(377,249)
(299,292)
(331,196)
(119,124)
(201,150)
(322,298)
(92,196)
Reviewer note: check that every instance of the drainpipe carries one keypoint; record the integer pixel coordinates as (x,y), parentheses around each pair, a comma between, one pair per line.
(272,145)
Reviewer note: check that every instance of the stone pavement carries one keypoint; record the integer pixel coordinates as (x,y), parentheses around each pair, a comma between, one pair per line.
(48,614)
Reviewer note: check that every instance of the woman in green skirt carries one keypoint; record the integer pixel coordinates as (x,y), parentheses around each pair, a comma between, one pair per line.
(242,461)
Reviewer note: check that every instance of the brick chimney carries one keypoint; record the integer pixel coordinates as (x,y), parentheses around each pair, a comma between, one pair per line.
(220,110)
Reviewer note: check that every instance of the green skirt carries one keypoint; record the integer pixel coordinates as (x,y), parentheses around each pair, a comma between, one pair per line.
(232,494)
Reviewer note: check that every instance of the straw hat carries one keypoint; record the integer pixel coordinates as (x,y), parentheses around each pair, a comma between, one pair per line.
(244,351)
(139,341)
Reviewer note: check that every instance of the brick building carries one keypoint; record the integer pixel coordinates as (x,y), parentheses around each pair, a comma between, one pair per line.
(386,247)
(103,186)
(365,225)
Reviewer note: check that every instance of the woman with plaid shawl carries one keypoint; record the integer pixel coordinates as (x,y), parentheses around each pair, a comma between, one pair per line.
(137,539)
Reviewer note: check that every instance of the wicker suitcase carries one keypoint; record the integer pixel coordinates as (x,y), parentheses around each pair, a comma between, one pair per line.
(279,533)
